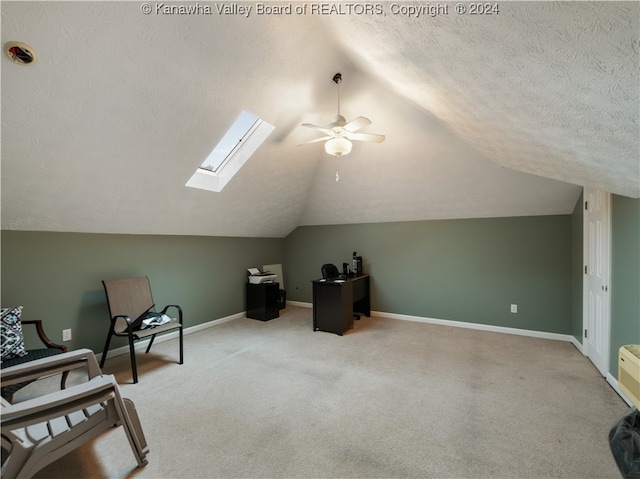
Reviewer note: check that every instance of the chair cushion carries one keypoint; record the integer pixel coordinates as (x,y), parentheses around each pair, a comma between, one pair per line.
(12,340)
(33,355)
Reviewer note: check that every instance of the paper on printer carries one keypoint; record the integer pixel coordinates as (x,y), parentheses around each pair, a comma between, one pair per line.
(258,277)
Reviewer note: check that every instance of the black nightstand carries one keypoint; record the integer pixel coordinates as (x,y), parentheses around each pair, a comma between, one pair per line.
(263,301)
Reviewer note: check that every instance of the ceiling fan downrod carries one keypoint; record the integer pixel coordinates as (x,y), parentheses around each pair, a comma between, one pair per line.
(337,79)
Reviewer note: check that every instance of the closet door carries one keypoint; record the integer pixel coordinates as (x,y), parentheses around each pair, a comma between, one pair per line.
(597,260)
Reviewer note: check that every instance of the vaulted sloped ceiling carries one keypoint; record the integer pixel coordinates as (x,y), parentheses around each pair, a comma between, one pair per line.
(506,114)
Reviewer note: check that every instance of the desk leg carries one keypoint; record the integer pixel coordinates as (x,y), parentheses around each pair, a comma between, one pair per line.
(315,312)
(362,303)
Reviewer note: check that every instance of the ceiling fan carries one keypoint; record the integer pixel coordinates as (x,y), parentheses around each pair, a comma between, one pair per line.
(339,134)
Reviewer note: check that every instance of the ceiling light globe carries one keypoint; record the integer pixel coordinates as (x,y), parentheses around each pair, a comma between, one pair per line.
(338,146)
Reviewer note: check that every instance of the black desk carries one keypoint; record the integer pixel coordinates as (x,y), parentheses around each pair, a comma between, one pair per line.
(335,301)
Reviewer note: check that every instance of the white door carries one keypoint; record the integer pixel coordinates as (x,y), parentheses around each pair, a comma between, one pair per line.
(597,257)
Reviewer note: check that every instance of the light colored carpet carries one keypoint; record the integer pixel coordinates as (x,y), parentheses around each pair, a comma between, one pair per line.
(390,399)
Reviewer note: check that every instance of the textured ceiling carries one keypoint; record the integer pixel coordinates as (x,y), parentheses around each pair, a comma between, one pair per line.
(485,115)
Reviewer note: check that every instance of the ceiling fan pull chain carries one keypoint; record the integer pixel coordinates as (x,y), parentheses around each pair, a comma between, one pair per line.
(337,167)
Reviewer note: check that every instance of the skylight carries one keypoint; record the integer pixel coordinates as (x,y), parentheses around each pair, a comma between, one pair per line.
(236,147)
(240,128)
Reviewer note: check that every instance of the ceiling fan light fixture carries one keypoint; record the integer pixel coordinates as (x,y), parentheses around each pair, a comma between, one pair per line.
(338,146)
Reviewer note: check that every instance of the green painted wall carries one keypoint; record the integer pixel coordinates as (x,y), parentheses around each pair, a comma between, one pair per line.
(625,276)
(464,270)
(57,276)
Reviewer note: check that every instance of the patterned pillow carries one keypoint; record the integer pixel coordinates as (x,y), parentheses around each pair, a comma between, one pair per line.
(12,340)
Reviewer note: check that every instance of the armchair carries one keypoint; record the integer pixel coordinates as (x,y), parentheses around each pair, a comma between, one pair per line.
(38,431)
(12,319)
(129,300)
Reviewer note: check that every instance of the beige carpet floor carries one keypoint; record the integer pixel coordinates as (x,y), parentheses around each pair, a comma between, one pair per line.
(389,399)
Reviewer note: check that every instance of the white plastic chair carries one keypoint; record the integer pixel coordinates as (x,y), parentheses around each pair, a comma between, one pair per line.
(38,431)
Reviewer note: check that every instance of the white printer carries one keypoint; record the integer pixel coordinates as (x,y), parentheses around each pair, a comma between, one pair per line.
(258,277)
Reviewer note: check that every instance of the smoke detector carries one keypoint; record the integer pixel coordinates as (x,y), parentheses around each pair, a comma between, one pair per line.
(20,53)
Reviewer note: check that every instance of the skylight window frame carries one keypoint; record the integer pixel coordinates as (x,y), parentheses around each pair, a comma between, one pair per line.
(243,150)
(247,134)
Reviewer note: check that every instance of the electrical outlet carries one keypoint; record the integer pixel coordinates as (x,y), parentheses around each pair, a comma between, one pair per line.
(514,308)
(66,335)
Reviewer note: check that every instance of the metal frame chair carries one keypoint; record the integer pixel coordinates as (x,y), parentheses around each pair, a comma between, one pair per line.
(129,299)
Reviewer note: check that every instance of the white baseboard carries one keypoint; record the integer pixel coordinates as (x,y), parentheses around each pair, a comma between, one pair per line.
(478,326)
(300,303)
(578,345)
(613,382)
(462,324)
(174,335)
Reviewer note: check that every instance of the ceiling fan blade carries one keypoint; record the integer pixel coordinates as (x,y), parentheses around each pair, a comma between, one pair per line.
(356,124)
(319,128)
(324,138)
(370,137)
